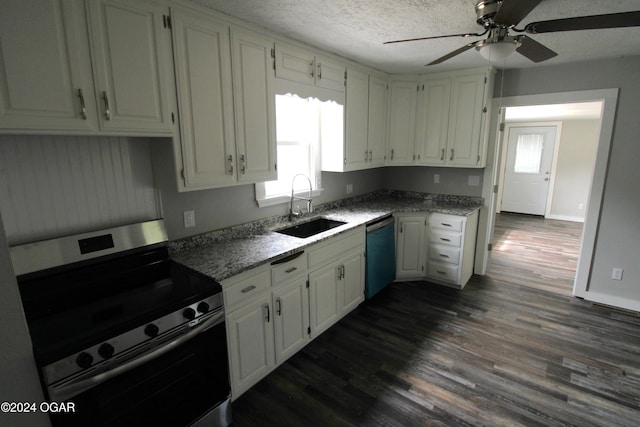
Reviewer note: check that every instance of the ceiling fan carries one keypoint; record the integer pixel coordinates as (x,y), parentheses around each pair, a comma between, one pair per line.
(498,17)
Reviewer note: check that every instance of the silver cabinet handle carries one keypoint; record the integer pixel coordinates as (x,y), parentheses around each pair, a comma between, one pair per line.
(392,154)
(107,111)
(278,307)
(312,69)
(291,270)
(445,224)
(370,155)
(445,240)
(230,160)
(451,158)
(83,107)
(444,255)
(248,289)
(319,70)
(242,164)
(442,155)
(268,313)
(366,155)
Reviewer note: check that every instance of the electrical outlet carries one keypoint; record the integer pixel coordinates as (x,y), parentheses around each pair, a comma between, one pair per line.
(617,273)
(189,219)
(436,178)
(349,188)
(580,206)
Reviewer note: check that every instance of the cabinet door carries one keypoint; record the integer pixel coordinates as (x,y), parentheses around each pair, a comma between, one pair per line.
(323,298)
(250,338)
(377,135)
(433,121)
(410,247)
(402,122)
(205,99)
(255,106)
(45,67)
(131,64)
(295,64)
(352,282)
(356,119)
(465,122)
(330,73)
(291,318)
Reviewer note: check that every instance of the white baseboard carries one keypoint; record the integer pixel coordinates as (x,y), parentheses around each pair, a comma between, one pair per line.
(565,218)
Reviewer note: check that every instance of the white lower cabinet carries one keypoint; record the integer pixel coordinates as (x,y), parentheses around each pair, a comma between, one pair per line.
(336,279)
(436,247)
(274,310)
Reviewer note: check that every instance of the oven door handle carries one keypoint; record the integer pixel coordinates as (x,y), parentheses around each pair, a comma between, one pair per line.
(74,387)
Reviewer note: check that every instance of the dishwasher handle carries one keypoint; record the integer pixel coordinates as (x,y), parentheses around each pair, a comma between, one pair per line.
(382,223)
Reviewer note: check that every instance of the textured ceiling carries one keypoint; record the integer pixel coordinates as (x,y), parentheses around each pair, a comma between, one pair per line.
(357,28)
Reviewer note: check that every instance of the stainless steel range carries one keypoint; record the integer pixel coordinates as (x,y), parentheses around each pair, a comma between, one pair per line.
(122,332)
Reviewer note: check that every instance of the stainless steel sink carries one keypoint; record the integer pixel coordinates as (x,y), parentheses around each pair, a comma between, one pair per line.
(310,228)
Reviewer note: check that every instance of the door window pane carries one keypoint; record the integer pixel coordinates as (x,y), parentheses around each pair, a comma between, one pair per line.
(529,153)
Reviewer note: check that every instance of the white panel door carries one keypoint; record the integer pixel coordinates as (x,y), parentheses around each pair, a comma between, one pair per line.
(205,99)
(377,135)
(352,282)
(45,67)
(255,106)
(356,119)
(433,121)
(291,318)
(323,297)
(528,169)
(132,63)
(402,122)
(410,247)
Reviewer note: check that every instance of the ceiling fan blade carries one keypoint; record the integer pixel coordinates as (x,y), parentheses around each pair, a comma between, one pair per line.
(511,12)
(592,22)
(454,53)
(533,50)
(439,37)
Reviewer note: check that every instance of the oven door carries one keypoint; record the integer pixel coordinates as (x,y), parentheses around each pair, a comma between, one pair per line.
(187,385)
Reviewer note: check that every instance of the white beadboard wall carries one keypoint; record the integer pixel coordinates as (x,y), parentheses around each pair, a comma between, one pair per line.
(52,186)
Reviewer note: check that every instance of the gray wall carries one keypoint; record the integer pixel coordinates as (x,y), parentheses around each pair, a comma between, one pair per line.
(421,178)
(576,157)
(618,238)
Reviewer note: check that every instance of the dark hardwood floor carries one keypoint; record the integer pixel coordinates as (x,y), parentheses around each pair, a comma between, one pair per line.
(513,348)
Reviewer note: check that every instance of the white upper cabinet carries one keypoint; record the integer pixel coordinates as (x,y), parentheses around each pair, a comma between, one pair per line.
(45,68)
(467,120)
(402,122)
(365,125)
(377,134)
(440,119)
(202,59)
(433,122)
(131,54)
(300,65)
(356,119)
(255,106)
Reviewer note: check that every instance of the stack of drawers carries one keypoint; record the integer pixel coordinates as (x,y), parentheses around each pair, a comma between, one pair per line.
(451,239)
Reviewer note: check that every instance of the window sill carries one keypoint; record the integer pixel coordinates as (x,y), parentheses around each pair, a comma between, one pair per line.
(281,200)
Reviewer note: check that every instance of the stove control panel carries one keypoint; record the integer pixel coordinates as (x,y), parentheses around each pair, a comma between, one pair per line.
(106,355)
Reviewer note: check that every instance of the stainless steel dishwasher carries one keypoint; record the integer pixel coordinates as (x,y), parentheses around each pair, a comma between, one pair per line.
(381,255)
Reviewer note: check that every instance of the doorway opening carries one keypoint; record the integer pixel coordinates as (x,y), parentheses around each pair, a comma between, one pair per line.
(595,181)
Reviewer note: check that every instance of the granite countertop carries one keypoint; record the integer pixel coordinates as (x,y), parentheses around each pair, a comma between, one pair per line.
(225,253)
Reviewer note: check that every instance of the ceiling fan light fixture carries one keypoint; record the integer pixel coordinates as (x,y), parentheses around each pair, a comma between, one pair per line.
(498,50)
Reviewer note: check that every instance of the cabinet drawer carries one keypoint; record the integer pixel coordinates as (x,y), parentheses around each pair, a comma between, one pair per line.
(446,272)
(446,222)
(331,248)
(443,237)
(288,268)
(247,289)
(443,253)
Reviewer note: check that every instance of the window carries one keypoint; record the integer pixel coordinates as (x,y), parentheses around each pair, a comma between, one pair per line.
(529,153)
(301,123)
